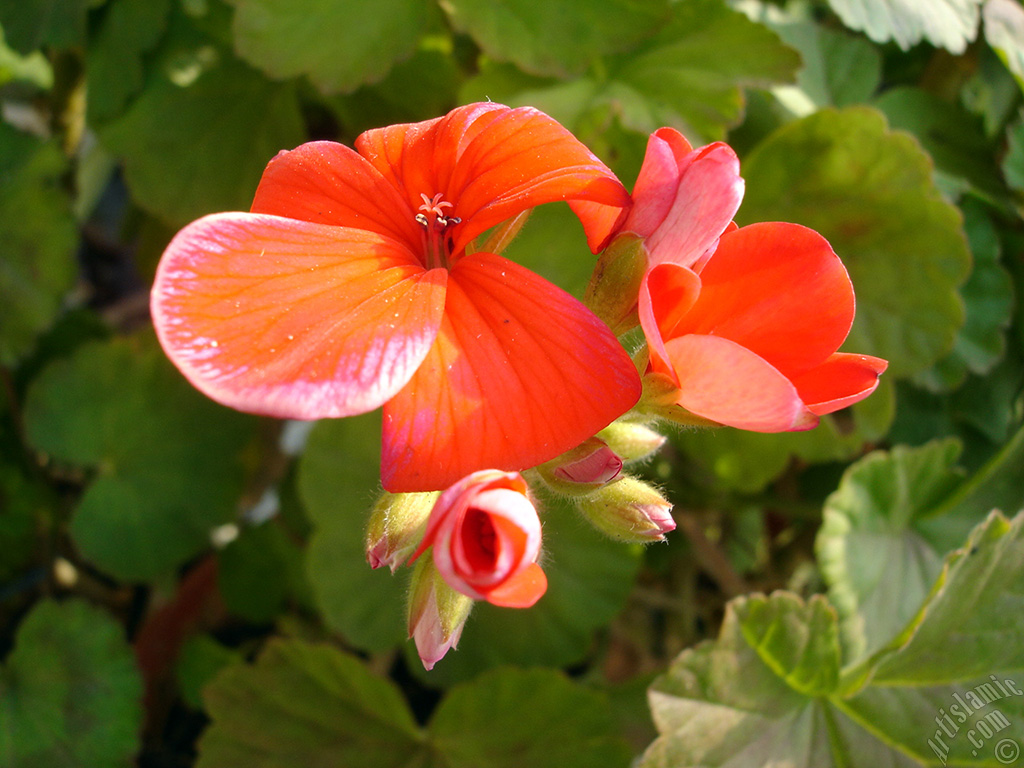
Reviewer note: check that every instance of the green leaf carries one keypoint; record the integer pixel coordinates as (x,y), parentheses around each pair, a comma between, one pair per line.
(70,694)
(1004,31)
(949,24)
(589,579)
(838,68)
(32,24)
(689,75)
(877,532)
(973,611)
(1013,161)
(128,30)
(200,133)
(308,705)
(199,661)
(339,480)
(37,240)
(870,192)
(511,718)
(953,137)
(418,88)
(338,45)
(988,297)
(766,691)
(166,460)
(258,571)
(534,35)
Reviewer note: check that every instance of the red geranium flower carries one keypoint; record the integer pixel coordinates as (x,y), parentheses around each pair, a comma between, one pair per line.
(750,340)
(354,283)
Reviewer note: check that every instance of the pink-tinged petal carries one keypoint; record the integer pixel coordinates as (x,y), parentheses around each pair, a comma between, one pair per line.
(780,291)
(666,295)
(842,380)
(520,373)
(683,210)
(522,590)
(292,319)
(658,183)
(491,162)
(327,183)
(724,382)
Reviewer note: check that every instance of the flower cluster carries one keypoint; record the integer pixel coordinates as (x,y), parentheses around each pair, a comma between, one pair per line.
(373,277)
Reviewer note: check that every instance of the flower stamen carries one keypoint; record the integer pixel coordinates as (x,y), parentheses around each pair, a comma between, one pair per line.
(432,219)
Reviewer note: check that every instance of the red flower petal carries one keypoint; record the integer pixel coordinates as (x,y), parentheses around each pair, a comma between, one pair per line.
(780,291)
(725,382)
(666,294)
(520,373)
(491,162)
(522,590)
(293,319)
(842,380)
(327,183)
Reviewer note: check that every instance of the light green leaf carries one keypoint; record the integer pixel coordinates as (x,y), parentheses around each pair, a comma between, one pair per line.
(70,694)
(877,534)
(766,692)
(534,35)
(689,75)
(338,45)
(198,136)
(949,24)
(870,192)
(512,718)
(1004,31)
(37,240)
(166,460)
(995,486)
(128,30)
(305,705)
(838,69)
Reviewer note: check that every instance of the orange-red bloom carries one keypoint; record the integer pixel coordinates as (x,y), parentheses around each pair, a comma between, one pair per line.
(354,283)
(750,341)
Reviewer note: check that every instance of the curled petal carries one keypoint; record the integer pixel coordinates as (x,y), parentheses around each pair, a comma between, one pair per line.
(667,293)
(519,373)
(684,200)
(522,590)
(292,319)
(727,383)
(777,289)
(842,380)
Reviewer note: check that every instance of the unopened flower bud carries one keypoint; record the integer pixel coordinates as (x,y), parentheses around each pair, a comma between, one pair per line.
(397,524)
(629,510)
(437,613)
(586,467)
(631,440)
(615,283)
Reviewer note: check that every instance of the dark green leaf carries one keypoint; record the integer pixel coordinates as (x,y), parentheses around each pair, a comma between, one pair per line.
(338,45)
(198,136)
(305,705)
(70,694)
(37,240)
(166,460)
(32,24)
(513,718)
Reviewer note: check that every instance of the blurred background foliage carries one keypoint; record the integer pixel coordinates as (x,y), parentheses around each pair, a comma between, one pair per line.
(184,585)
